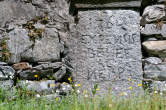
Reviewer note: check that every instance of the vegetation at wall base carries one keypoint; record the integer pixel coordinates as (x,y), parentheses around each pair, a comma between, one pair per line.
(74,101)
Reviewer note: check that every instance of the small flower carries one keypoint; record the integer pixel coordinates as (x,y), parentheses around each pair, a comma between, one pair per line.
(37,95)
(84,91)
(97,89)
(155,92)
(86,95)
(110,105)
(78,85)
(116,88)
(57,98)
(161,93)
(139,85)
(125,94)
(130,88)
(78,91)
(129,79)
(35,75)
(121,94)
(69,79)
(64,83)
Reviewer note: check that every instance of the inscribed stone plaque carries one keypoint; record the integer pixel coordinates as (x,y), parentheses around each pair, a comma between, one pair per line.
(107,51)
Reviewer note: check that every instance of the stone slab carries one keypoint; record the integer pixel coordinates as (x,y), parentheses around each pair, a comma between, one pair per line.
(107,50)
(155,71)
(106,3)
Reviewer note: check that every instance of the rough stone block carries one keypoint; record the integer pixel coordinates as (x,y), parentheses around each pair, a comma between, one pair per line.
(107,50)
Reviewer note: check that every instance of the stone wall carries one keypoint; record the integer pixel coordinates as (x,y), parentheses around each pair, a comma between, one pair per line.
(153,31)
(44,43)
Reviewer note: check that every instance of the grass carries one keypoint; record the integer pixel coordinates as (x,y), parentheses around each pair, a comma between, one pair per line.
(75,102)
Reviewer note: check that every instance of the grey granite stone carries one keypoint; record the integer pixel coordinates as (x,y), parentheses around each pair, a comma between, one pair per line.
(153,13)
(155,48)
(153,60)
(155,71)
(6,84)
(15,10)
(106,50)
(6,72)
(18,43)
(154,29)
(47,48)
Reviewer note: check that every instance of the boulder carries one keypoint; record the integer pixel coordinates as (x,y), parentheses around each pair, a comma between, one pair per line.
(6,72)
(155,48)
(47,48)
(15,10)
(17,44)
(6,84)
(153,13)
(155,71)
(153,60)
(154,29)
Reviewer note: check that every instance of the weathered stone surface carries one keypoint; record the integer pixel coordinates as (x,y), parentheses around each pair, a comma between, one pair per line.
(15,10)
(47,73)
(161,1)
(153,60)
(45,86)
(106,3)
(155,71)
(46,49)
(6,84)
(17,44)
(153,13)
(21,66)
(155,48)
(6,72)
(3,64)
(106,50)
(154,29)
(49,65)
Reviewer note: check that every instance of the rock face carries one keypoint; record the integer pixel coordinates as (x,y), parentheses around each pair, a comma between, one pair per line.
(153,13)
(12,10)
(17,44)
(6,73)
(107,50)
(155,71)
(46,49)
(154,29)
(156,48)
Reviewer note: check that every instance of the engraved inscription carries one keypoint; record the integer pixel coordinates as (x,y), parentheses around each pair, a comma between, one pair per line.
(108,46)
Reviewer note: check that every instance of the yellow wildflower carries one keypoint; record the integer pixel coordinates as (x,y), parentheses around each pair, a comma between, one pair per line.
(57,98)
(78,85)
(35,75)
(139,85)
(130,88)
(129,79)
(97,89)
(69,79)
